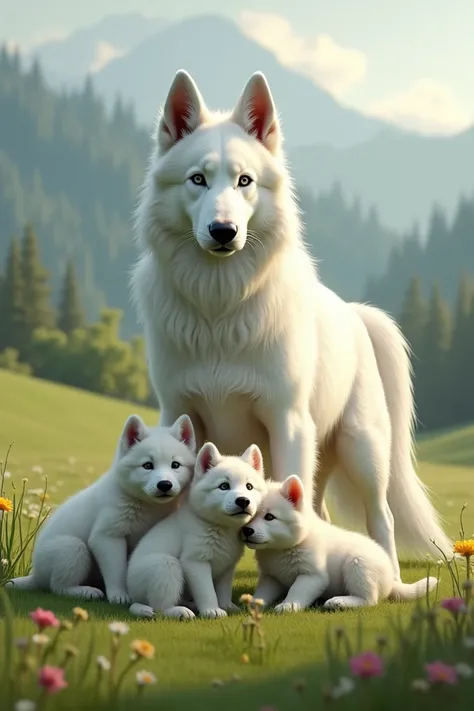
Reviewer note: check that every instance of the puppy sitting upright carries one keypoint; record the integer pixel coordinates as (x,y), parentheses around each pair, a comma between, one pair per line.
(200,545)
(304,557)
(104,522)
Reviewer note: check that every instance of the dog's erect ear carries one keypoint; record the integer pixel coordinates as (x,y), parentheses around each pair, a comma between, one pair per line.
(253,456)
(255,112)
(207,458)
(184,110)
(183,430)
(292,489)
(134,431)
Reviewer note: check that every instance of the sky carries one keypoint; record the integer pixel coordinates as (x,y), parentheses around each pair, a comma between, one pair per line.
(410,61)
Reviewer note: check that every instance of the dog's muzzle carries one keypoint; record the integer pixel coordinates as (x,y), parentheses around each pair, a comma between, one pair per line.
(223,233)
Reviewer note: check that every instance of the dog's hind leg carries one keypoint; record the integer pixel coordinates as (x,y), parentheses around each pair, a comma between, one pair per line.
(156,584)
(67,562)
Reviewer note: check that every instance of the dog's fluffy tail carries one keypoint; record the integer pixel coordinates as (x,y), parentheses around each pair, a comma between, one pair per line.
(156,580)
(412,591)
(416,520)
(28,582)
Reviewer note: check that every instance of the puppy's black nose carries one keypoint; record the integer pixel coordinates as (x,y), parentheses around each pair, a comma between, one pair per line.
(223,232)
(164,486)
(242,502)
(247,531)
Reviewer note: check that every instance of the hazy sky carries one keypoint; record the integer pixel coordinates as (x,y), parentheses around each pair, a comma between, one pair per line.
(409,60)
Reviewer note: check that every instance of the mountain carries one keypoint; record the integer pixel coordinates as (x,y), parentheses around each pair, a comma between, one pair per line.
(402,174)
(221,59)
(67,61)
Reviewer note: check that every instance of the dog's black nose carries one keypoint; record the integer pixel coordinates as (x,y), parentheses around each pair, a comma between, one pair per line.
(164,486)
(223,232)
(242,502)
(247,531)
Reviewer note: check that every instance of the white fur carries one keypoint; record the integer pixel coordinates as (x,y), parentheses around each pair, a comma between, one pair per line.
(305,558)
(199,545)
(249,342)
(103,523)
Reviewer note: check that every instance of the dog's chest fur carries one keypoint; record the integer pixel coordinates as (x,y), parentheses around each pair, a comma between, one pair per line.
(217,546)
(133,518)
(285,566)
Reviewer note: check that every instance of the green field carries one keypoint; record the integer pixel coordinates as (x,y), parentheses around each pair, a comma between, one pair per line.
(70,436)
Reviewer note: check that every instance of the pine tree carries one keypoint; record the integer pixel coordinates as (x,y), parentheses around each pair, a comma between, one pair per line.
(39,313)
(413,316)
(71,314)
(460,359)
(12,309)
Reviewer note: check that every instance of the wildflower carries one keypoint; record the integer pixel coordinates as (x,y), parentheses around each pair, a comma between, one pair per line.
(24,705)
(52,679)
(464,670)
(440,562)
(80,614)
(5,505)
(441,673)
(246,598)
(420,685)
(366,665)
(244,659)
(119,628)
(465,548)
(258,601)
(4,562)
(103,663)
(44,618)
(469,642)
(142,648)
(345,686)
(32,514)
(40,639)
(145,678)
(456,605)
(7,475)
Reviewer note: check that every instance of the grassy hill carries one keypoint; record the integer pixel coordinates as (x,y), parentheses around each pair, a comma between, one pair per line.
(70,436)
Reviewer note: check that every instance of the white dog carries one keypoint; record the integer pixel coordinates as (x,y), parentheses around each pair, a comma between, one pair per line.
(242,335)
(304,557)
(200,545)
(101,524)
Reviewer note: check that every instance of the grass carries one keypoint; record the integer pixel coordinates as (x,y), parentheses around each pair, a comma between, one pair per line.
(70,436)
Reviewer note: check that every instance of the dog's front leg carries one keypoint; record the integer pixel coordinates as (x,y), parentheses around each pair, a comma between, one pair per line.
(111,555)
(293,446)
(268,589)
(198,576)
(304,591)
(224,590)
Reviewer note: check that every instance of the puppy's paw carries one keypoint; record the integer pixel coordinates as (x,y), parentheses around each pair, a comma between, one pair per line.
(231,607)
(179,613)
(336,603)
(119,597)
(89,593)
(213,612)
(139,610)
(288,607)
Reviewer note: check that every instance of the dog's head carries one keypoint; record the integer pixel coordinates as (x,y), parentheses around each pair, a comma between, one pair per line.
(282,520)
(155,464)
(217,182)
(227,491)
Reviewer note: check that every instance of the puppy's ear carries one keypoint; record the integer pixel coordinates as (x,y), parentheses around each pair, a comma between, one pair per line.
(184,110)
(253,456)
(293,490)
(183,431)
(255,112)
(134,431)
(207,458)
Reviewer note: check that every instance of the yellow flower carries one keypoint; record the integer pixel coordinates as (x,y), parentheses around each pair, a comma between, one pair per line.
(246,598)
(465,548)
(142,648)
(244,659)
(80,614)
(144,678)
(5,505)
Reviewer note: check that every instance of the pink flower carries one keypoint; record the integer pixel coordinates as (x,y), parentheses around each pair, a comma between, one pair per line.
(441,673)
(44,618)
(453,604)
(366,665)
(52,679)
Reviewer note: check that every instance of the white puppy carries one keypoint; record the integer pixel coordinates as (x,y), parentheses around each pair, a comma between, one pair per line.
(306,558)
(199,545)
(100,525)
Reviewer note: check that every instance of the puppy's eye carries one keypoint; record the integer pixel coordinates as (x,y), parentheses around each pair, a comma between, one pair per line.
(198,179)
(244,181)
(225,486)
(269,517)
(249,486)
(148,465)
(175,465)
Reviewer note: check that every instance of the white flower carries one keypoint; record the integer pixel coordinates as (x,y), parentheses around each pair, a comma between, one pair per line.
(7,475)
(144,678)
(464,670)
(469,642)
(119,628)
(24,705)
(40,639)
(4,562)
(103,663)
(345,686)
(420,685)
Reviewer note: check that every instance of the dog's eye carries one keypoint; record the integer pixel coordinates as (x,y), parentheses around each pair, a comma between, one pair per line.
(148,465)
(175,465)
(244,181)
(269,517)
(249,487)
(198,179)
(225,486)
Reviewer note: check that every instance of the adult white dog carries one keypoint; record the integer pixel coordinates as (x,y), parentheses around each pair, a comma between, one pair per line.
(242,335)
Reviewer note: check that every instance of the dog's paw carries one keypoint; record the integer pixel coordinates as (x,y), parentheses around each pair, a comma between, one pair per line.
(213,612)
(231,607)
(336,603)
(288,607)
(89,593)
(119,597)
(179,613)
(139,610)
